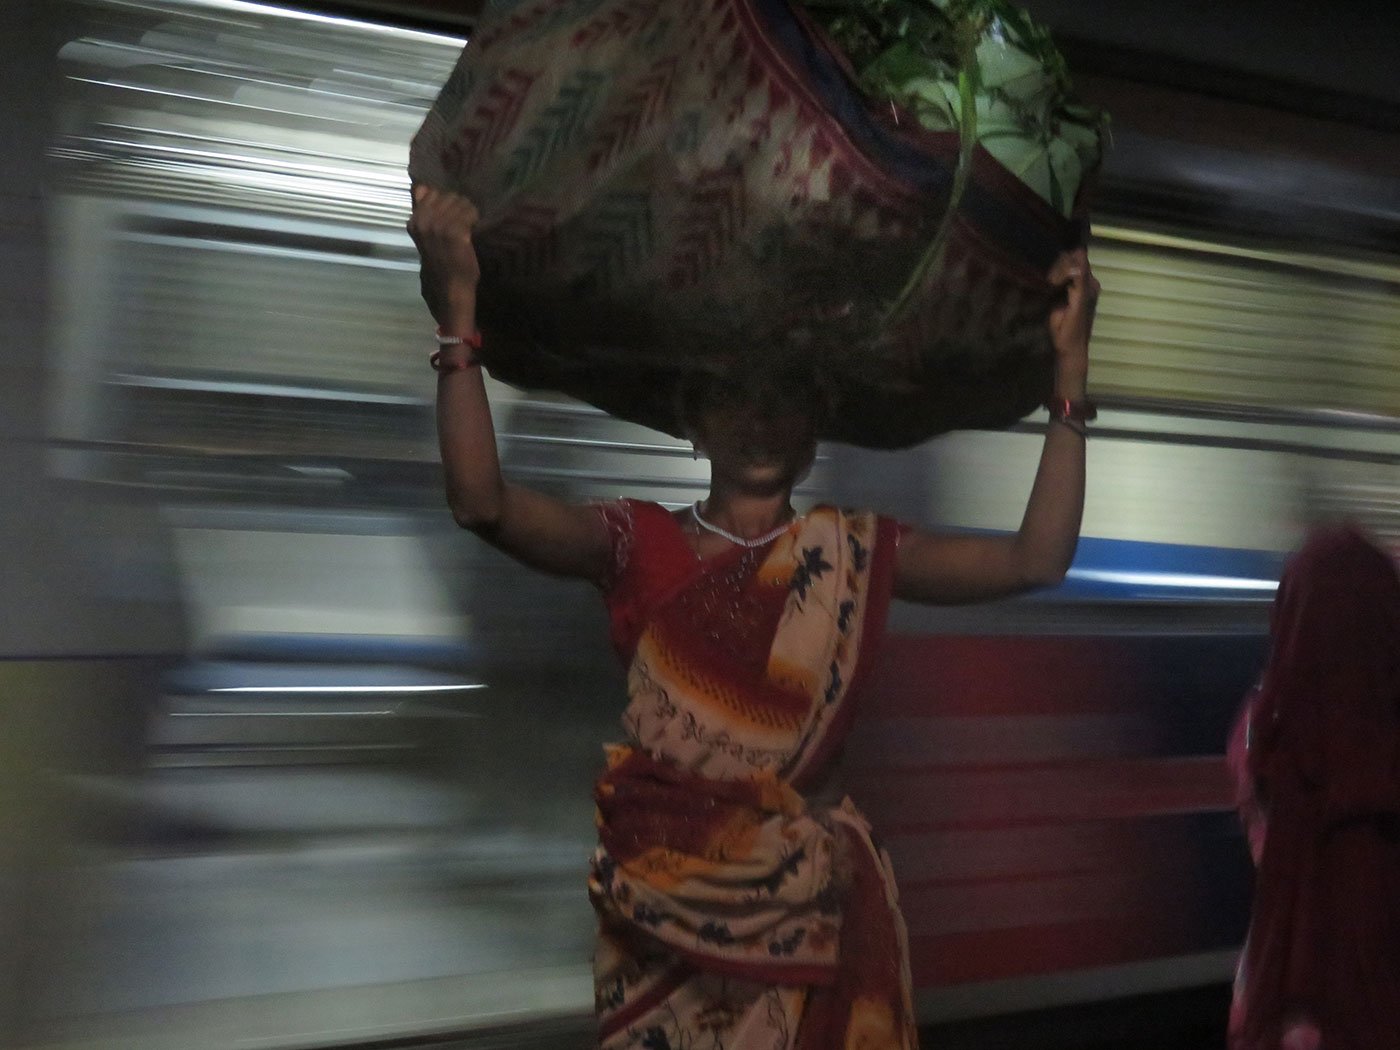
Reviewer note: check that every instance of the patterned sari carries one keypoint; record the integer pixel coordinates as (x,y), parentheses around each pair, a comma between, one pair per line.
(733,912)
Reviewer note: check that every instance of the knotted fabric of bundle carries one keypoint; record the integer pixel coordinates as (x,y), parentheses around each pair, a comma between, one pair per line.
(673,187)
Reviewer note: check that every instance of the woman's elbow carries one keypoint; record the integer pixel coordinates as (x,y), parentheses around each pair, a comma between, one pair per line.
(475,516)
(1052,576)
(1043,573)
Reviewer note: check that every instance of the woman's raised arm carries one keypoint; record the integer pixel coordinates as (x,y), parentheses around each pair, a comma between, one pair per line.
(938,568)
(542,532)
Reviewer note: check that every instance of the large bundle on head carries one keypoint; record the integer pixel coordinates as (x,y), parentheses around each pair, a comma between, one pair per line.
(873,187)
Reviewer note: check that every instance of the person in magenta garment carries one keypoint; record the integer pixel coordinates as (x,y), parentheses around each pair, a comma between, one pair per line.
(741,901)
(1316,755)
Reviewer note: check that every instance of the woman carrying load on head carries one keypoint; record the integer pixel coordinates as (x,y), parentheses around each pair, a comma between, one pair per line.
(735,910)
(1316,754)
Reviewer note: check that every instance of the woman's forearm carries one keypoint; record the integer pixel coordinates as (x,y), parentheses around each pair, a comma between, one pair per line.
(1049,532)
(941,568)
(466,434)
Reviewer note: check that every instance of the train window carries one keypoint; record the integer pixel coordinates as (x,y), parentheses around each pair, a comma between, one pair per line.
(234,271)
(1191,319)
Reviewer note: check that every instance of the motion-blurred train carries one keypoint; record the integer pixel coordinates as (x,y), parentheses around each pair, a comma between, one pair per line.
(239,366)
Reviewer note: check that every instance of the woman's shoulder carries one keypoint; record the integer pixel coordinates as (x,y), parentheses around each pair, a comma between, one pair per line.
(637,513)
(650,556)
(641,527)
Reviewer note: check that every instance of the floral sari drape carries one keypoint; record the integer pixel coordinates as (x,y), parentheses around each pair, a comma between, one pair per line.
(735,913)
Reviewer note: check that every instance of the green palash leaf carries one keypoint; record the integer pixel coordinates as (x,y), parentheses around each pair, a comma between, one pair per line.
(982,68)
(915,54)
(932,260)
(903,76)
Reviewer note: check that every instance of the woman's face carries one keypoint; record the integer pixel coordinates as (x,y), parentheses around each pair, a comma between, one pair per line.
(761,450)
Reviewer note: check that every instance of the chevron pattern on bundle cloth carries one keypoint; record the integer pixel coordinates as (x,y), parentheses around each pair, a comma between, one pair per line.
(702,176)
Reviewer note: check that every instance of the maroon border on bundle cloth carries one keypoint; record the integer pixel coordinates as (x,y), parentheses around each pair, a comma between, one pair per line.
(890,141)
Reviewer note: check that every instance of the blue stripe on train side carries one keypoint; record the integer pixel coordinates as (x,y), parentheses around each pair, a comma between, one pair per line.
(1133,570)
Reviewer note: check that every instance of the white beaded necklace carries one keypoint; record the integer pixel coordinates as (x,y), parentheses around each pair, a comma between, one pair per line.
(757,541)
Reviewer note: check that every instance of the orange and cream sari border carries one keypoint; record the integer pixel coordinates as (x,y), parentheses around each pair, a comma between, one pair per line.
(817,647)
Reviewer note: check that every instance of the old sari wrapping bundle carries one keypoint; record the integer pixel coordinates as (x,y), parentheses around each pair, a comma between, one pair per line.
(676,185)
(734,911)
(1316,753)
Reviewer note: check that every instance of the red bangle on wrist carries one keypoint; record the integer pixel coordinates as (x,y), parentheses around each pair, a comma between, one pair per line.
(1072,413)
(1064,409)
(442,364)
